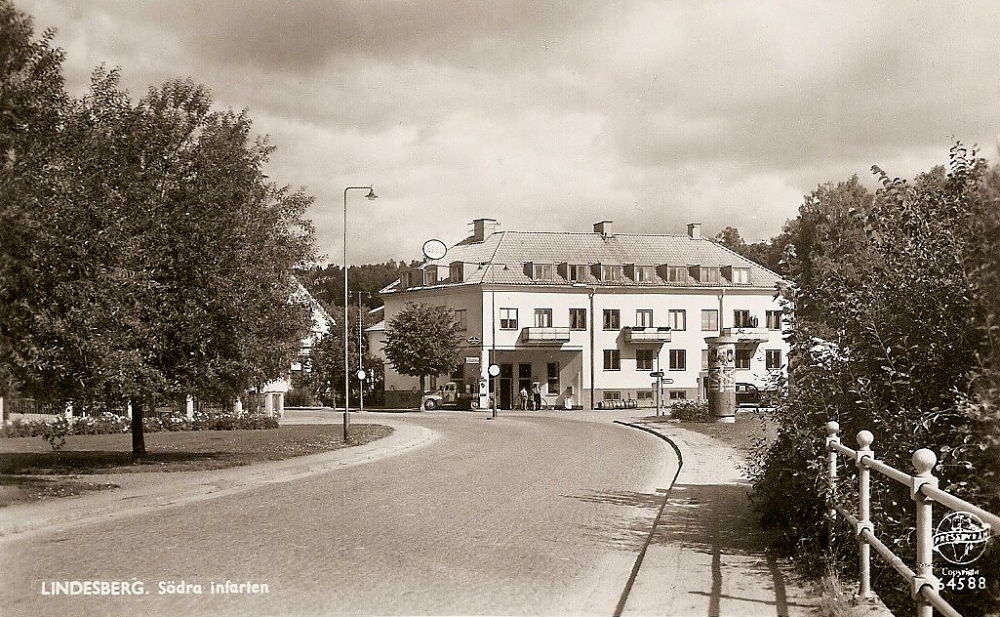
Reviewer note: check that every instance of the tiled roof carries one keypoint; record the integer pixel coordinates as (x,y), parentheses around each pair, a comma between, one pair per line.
(501,258)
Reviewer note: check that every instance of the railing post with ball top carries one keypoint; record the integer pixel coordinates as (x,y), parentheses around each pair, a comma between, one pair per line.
(832,428)
(923,462)
(865,439)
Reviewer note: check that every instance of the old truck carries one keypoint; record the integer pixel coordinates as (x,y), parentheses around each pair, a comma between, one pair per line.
(449,395)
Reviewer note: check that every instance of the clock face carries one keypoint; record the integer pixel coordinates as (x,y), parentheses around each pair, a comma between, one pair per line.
(435,249)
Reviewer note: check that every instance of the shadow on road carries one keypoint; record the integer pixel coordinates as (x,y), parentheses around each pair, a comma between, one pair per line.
(713,521)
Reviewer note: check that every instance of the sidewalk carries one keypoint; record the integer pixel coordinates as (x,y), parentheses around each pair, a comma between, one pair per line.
(147,491)
(706,556)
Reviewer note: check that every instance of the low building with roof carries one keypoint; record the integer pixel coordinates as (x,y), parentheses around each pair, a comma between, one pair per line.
(591,317)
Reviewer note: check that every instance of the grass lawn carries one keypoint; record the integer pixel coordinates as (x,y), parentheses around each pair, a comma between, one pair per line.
(31,470)
(748,430)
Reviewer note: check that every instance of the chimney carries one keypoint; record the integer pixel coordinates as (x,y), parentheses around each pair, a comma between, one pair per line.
(481,228)
(694,230)
(603,228)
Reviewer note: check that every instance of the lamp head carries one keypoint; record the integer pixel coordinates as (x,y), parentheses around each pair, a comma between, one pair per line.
(371,194)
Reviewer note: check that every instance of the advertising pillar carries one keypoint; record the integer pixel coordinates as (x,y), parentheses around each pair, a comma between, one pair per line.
(722,378)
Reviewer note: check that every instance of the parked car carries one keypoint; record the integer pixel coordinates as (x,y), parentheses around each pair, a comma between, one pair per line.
(451,396)
(748,395)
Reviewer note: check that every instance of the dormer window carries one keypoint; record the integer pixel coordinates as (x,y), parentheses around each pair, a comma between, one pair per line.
(644,274)
(708,274)
(677,274)
(577,272)
(541,272)
(430,275)
(456,272)
(611,272)
(741,275)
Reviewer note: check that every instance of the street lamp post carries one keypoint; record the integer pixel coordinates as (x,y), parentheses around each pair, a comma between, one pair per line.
(347,365)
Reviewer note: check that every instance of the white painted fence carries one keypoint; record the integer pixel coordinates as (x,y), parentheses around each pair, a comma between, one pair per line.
(924,491)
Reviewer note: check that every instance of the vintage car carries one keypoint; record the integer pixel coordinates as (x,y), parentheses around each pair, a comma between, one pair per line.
(451,396)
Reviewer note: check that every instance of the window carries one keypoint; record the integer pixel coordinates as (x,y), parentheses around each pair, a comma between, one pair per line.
(704,359)
(677,319)
(772,359)
(612,360)
(742,319)
(644,359)
(431,275)
(678,359)
(644,395)
(743,357)
(644,274)
(741,275)
(543,318)
(644,318)
(773,320)
(612,395)
(508,319)
(611,273)
(678,395)
(552,377)
(460,319)
(456,272)
(542,272)
(578,319)
(577,272)
(709,320)
(612,319)
(677,274)
(709,275)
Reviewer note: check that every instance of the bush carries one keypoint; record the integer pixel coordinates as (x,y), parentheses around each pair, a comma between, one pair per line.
(896,300)
(690,411)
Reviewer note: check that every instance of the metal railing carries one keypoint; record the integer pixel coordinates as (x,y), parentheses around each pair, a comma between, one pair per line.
(924,491)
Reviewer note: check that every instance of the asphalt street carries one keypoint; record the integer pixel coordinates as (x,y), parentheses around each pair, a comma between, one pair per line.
(519,515)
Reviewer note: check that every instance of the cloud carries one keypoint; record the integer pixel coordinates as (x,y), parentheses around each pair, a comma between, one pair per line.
(553,115)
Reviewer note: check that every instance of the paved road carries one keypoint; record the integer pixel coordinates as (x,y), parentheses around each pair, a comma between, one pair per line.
(519,515)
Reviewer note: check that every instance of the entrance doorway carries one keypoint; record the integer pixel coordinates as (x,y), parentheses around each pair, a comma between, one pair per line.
(523,383)
(506,385)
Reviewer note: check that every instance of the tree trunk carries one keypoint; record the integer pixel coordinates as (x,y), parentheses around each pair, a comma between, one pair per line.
(138,437)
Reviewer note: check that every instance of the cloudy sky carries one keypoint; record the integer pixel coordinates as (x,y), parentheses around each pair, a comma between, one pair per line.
(554,115)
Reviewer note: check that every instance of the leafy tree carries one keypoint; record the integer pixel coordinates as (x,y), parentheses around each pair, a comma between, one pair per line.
(897,336)
(769,254)
(31,101)
(325,378)
(422,340)
(162,257)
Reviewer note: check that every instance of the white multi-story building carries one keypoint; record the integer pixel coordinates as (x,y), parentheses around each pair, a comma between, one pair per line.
(589,316)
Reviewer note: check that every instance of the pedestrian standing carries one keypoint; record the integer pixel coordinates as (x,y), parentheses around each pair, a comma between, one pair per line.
(537,394)
(524,397)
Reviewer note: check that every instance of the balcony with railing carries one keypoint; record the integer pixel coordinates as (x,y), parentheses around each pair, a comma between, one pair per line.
(539,335)
(638,334)
(747,334)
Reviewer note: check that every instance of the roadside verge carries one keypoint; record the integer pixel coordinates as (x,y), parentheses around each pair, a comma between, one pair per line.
(150,491)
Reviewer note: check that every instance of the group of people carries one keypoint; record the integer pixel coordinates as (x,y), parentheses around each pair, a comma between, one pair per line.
(534,400)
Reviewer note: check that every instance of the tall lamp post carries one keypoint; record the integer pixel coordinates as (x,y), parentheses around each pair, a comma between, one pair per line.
(347,367)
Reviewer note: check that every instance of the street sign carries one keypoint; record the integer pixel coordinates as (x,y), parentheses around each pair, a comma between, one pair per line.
(361,374)
(475,340)
(656,374)
(494,370)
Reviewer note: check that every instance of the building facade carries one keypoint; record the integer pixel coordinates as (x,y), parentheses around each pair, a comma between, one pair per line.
(590,317)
